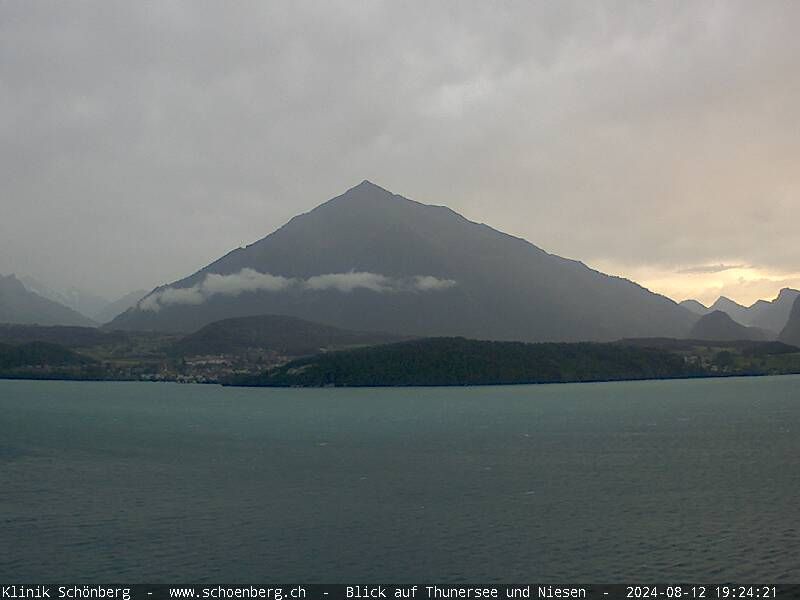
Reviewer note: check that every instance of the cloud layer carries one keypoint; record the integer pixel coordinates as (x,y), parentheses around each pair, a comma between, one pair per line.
(249,280)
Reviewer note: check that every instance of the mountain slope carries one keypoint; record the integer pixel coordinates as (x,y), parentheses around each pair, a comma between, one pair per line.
(39,354)
(719,326)
(372,260)
(696,307)
(277,333)
(119,306)
(19,305)
(791,332)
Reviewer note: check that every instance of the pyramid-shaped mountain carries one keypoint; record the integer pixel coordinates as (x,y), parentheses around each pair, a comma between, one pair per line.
(373,260)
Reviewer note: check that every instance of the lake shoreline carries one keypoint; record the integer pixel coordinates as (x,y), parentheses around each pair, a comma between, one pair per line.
(396,386)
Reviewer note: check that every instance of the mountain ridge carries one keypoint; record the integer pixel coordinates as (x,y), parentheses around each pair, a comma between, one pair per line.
(695,306)
(19,305)
(771,315)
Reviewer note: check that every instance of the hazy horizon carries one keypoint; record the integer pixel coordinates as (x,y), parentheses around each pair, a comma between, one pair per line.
(652,141)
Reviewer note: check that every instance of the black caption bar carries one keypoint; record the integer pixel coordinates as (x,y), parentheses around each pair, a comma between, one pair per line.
(397,592)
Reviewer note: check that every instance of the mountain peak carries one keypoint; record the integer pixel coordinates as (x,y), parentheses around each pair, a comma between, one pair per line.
(722,300)
(367,198)
(365,192)
(368,186)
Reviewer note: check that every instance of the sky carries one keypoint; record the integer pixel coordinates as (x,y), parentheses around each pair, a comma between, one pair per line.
(659,141)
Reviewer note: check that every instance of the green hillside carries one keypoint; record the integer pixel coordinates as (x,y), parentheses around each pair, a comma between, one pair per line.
(459,361)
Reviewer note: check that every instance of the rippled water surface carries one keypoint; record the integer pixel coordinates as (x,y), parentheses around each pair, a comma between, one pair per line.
(660,481)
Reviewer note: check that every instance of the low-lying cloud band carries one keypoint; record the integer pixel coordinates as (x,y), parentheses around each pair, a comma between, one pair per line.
(250,280)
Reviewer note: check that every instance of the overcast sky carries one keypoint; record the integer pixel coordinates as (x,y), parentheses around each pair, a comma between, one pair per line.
(655,140)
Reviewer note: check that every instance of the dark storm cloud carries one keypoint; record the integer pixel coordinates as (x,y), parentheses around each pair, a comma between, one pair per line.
(139,141)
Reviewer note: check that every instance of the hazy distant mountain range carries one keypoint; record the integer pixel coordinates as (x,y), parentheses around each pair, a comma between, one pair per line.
(81,301)
(373,260)
(771,315)
(95,308)
(20,305)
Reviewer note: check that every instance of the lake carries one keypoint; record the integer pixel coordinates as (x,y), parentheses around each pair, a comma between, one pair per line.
(658,481)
